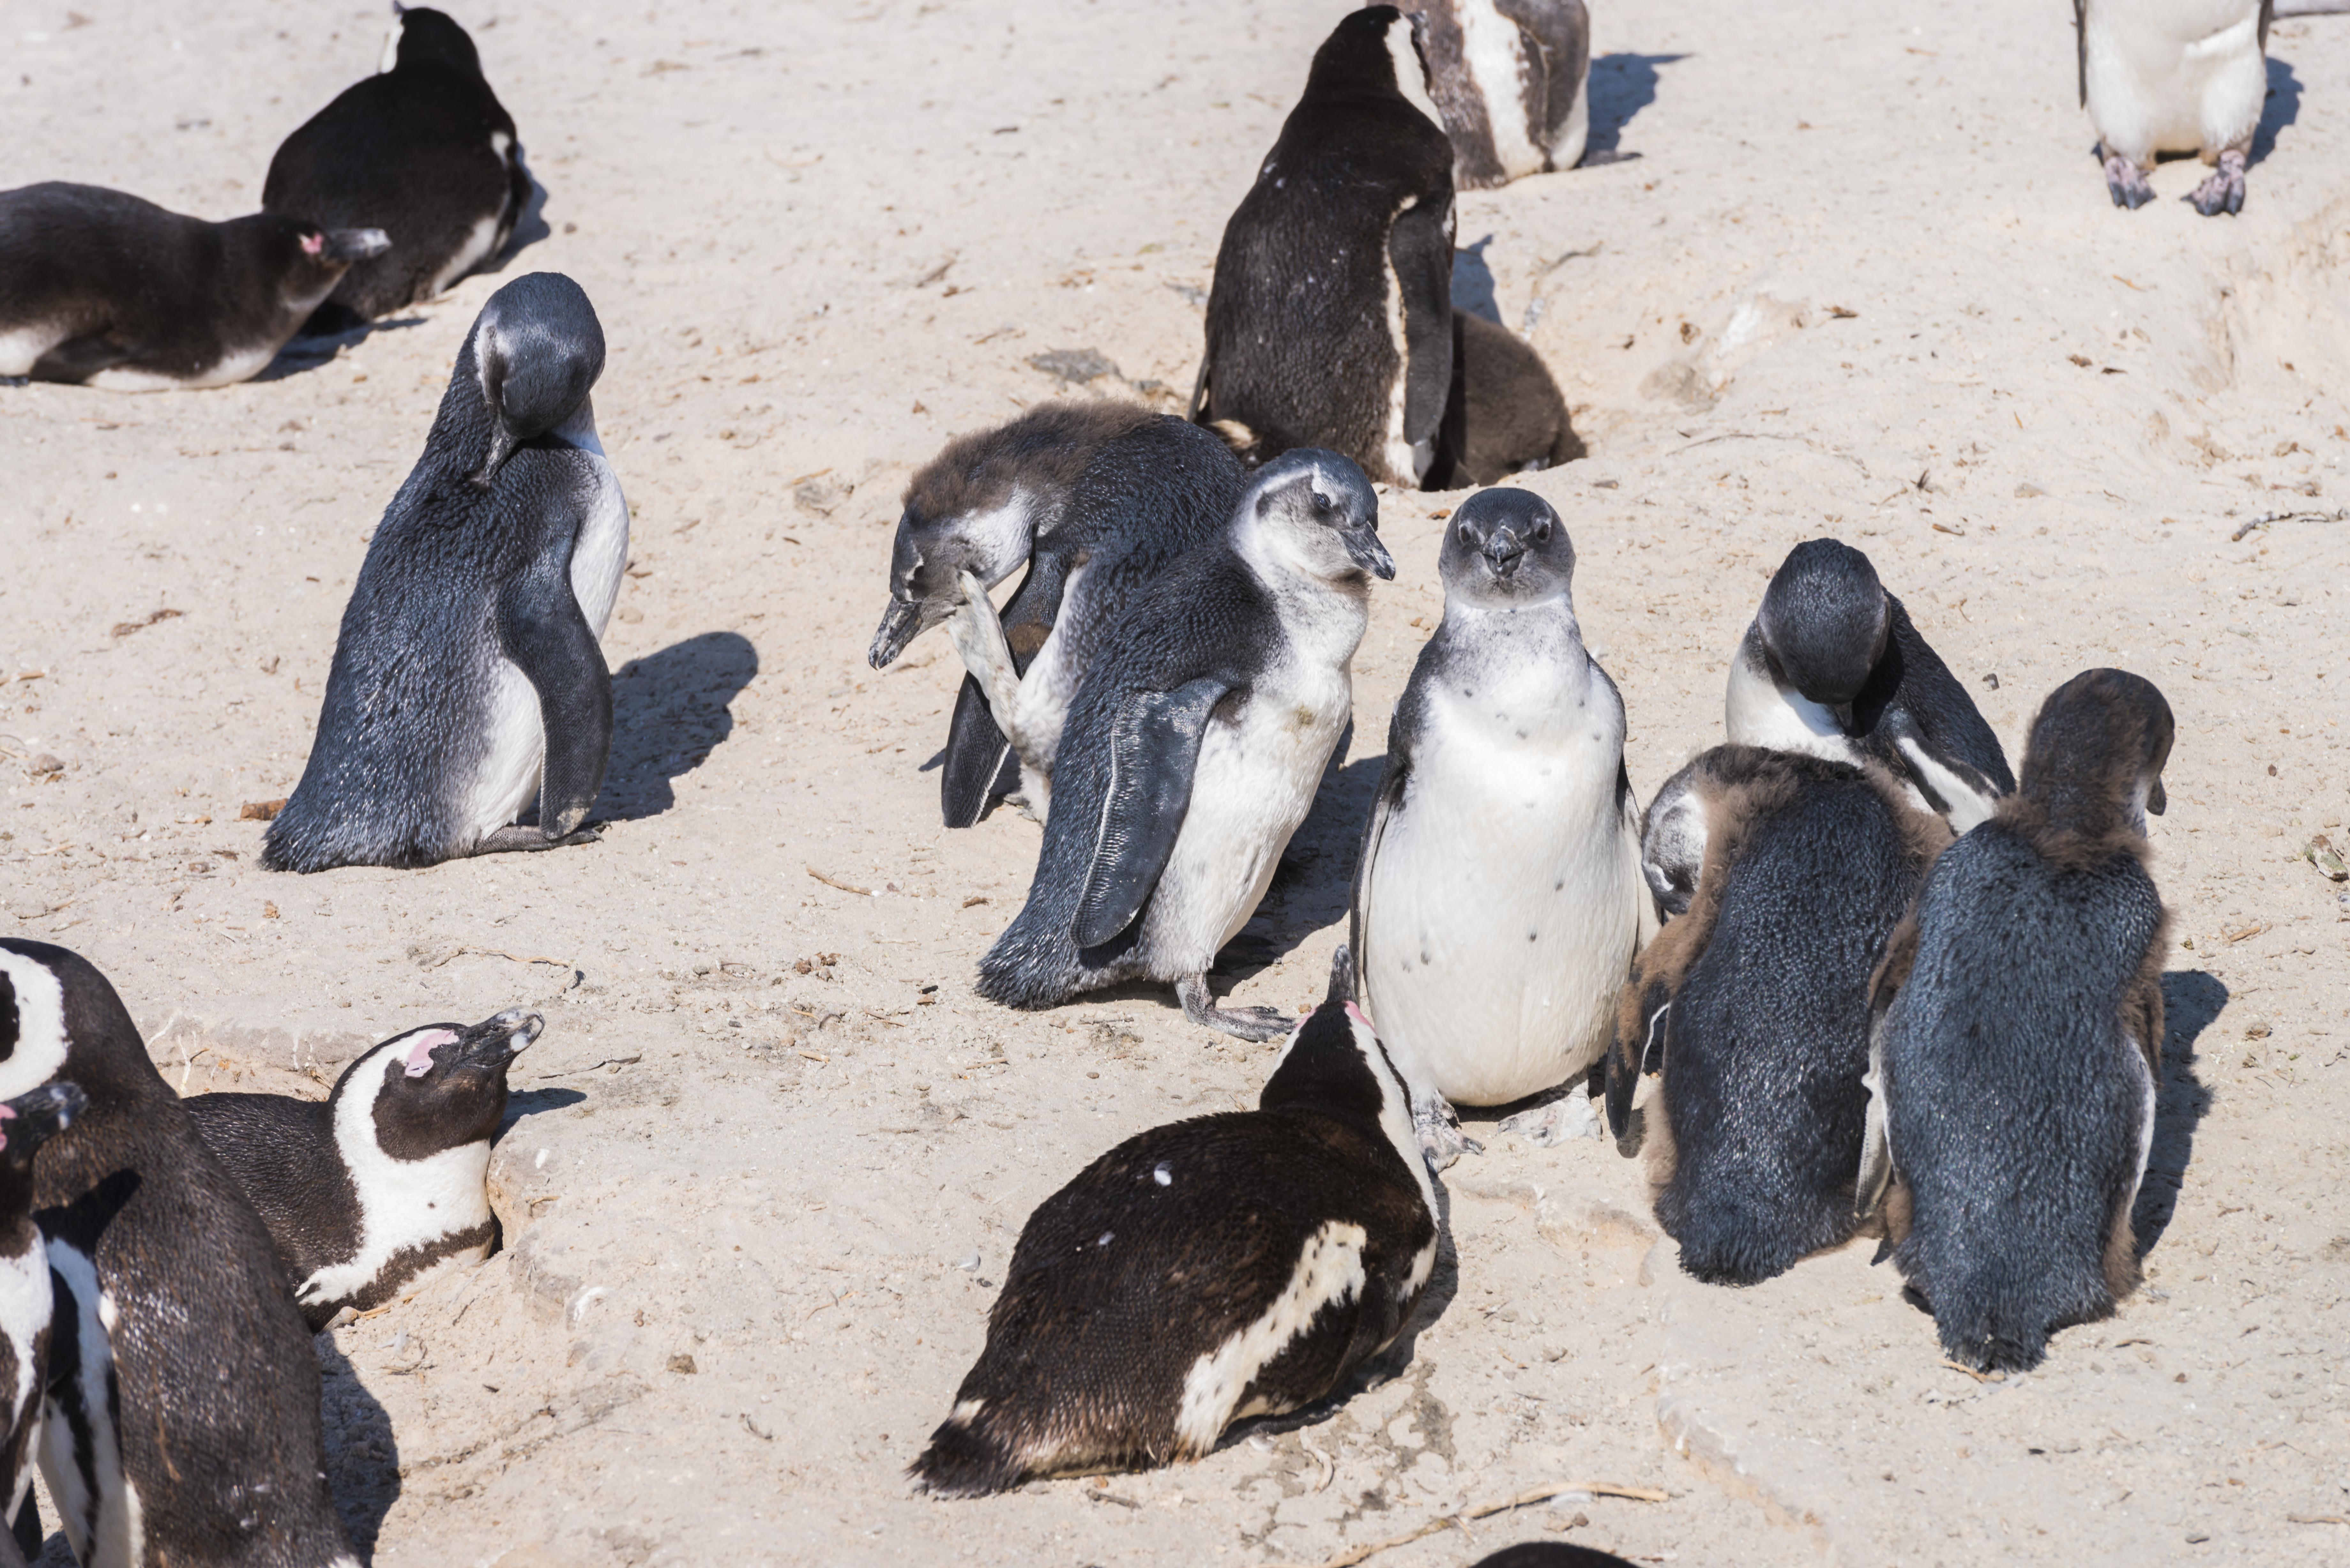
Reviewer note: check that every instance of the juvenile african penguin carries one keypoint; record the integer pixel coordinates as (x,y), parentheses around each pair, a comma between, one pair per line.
(1508,78)
(2017,1038)
(422,151)
(1243,1263)
(1095,498)
(1783,875)
(1551,1554)
(467,680)
(1330,318)
(385,1180)
(2174,76)
(181,1419)
(1194,748)
(1833,666)
(27,1122)
(1498,898)
(1504,414)
(100,287)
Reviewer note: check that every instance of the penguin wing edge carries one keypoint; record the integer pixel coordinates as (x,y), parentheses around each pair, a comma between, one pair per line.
(542,630)
(1154,745)
(1420,246)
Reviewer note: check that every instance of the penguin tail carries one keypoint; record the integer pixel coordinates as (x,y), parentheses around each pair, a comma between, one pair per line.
(1030,970)
(965,1458)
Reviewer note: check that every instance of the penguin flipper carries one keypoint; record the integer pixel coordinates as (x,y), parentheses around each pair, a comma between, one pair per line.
(541,629)
(1154,745)
(977,755)
(1420,246)
(1392,784)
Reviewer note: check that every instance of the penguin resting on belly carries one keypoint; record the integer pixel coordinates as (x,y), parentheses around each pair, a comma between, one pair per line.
(1195,746)
(2174,76)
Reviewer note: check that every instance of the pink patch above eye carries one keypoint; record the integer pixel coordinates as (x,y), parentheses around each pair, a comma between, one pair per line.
(313,244)
(418,1057)
(1355,1013)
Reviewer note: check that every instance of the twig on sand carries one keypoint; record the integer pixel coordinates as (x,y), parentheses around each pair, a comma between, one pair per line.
(1977,1377)
(837,882)
(1484,1510)
(2264,520)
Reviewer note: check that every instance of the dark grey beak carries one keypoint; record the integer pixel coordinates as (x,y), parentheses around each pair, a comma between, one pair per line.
(1342,976)
(1842,712)
(1503,552)
(495,1042)
(35,1117)
(355,245)
(1363,547)
(2156,800)
(899,623)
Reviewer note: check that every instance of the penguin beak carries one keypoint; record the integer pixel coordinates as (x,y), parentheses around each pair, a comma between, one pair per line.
(1842,712)
(1363,547)
(355,245)
(2156,800)
(1503,552)
(30,1120)
(899,623)
(493,1043)
(504,444)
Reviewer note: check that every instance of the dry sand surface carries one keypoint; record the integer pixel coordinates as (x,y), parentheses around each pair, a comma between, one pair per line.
(1863,278)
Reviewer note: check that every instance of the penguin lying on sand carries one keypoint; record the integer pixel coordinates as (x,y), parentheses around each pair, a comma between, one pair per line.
(27,1122)
(1195,747)
(100,287)
(2174,76)
(1239,1264)
(1504,414)
(2017,1038)
(467,680)
(1831,666)
(1094,498)
(1510,79)
(1783,875)
(385,1180)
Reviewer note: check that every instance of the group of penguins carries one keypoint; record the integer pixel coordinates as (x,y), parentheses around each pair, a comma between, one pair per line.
(1842,974)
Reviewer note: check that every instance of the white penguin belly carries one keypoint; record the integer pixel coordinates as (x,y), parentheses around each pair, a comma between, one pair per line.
(99,1506)
(1757,713)
(237,365)
(404,1204)
(2175,75)
(21,347)
(25,1307)
(1493,49)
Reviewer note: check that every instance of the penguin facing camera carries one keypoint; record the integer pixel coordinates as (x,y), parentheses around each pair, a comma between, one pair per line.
(1504,414)
(27,1122)
(422,151)
(1831,666)
(2016,1041)
(1783,875)
(1239,1264)
(386,1180)
(2174,78)
(1195,746)
(1307,346)
(1498,898)
(1510,80)
(467,680)
(1095,498)
(100,287)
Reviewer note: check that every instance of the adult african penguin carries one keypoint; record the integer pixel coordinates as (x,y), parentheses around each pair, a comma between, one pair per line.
(1833,666)
(467,680)
(1783,875)
(100,287)
(422,151)
(181,1419)
(2016,1047)
(386,1180)
(2174,76)
(1504,414)
(1194,748)
(26,1302)
(1498,898)
(1243,1263)
(1330,317)
(1509,79)
(1094,498)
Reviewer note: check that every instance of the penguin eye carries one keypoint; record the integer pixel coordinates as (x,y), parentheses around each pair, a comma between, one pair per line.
(1541,532)
(1321,502)
(1467,535)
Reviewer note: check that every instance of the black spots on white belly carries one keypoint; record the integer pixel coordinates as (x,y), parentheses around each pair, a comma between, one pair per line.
(1522,735)
(1559,885)
(1466,692)
(1533,936)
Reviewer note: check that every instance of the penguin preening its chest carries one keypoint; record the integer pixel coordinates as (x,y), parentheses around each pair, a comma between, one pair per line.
(1195,746)
(1330,318)
(1095,499)
(2174,76)
(422,151)
(100,287)
(1509,78)
(1498,898)
(181,1422)
(2016,1050)
(1240,1264)
(1783,875)
(1831,666)
(467,680)
(27,1122)
(386,1178)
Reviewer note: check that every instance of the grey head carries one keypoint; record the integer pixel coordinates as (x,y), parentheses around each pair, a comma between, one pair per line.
(1505,549)
(979,518)
(537,349)
(2097,752)
(1317,511)
(1824,624)
(1672,843)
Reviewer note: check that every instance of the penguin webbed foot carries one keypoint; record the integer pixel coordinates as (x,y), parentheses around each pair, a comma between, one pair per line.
(2126,182)
(1254,1023)
(2223,190)
(1571,1116)
(1438,1126)
(506,839)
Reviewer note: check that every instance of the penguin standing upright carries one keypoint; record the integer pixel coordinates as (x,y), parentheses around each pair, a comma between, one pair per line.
(1498,899)
(1095,498)
(2174,76)
(467,680)
(422,151)
(1238,1264)
(182,1417)
(1330,318)
(1509,77)
(26,1302)
(1783,875)
(2017,1042)
(1195,747)
(1831,666)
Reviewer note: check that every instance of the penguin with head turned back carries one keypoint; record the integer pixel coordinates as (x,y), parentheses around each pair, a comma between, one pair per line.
(27,1301)
(2017,1040)
(1509,77)
(467,680)
(1239,1264)
(1831,666)
(1094,498)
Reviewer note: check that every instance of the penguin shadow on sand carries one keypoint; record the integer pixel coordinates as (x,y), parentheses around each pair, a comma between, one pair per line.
(1472,283)
(1312,886)
(1620,85)
(2192,999)
(669,713)
(2283,107)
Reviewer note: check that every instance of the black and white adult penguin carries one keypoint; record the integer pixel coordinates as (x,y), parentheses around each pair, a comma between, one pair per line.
(181,1422)
(1509,78)
(1833,666)
(1504,414)
(1243,1263)
(1094,498)
(100,287)
(422,151)
(1330,318)
(2174,76)
(386,1180)
(1498,898)
(26,1302)
(2017,1038)
(467,680)
(1195,746)
(1783,875)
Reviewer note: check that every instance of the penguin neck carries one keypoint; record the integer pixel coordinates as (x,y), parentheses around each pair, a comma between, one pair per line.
(1550,620)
